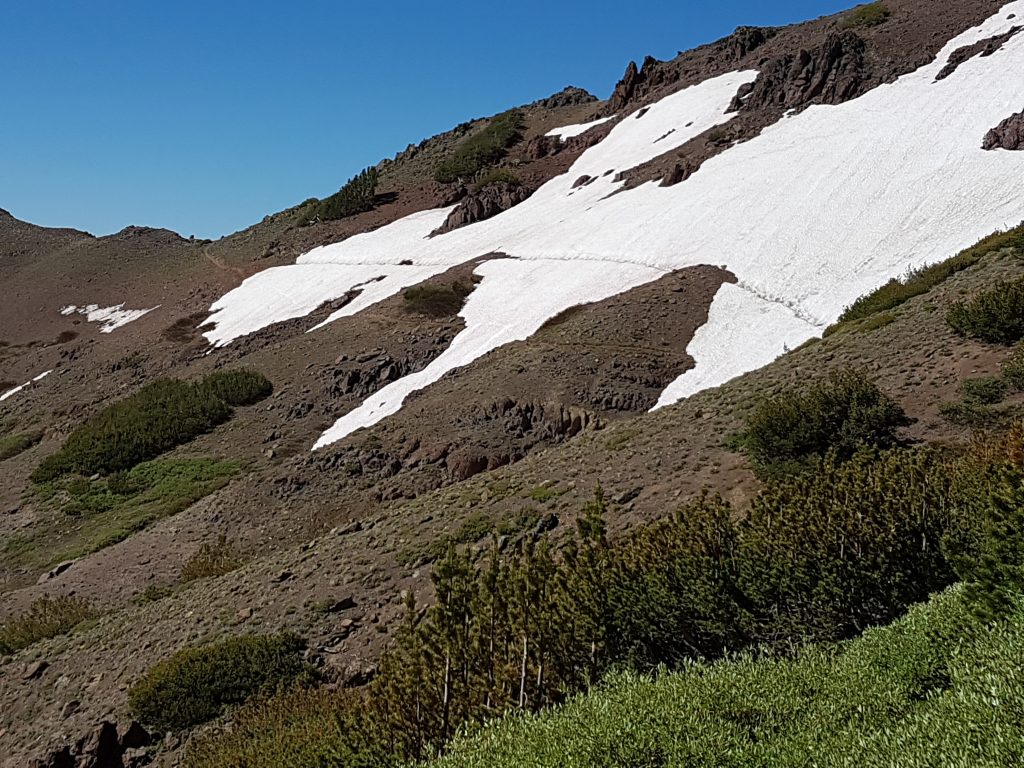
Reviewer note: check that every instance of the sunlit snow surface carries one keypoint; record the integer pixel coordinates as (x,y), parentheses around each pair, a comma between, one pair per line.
(816,211)
(16,390)
(568,131)
(111,317)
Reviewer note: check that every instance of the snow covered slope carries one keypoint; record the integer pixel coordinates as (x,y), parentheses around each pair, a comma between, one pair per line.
(816,211)
(111,317)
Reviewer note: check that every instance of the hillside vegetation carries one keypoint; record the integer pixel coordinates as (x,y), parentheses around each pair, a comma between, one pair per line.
(162,415)
(842,543)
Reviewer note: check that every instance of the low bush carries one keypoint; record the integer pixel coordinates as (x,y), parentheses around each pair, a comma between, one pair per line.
(482,149)
(968,413)
(498,176)
(436,300)
(839,414)
(46,617)
(211,559)
(870,15)
(195,685)
(986,390)
(995,315)
(162,415)
(357,196)
(12,445)
(1013,368)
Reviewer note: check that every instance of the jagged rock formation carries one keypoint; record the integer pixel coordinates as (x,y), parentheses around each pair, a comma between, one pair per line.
(636,83)
(106,747)
(829,73)
(569,96)
(483,204)
(1009,134)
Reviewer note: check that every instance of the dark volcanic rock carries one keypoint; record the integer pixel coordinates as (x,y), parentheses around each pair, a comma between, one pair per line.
(830,73)
(1009,134)
(569,96)
(483,204)
(984,47)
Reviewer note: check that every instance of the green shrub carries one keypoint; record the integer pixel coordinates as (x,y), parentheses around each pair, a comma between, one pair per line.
(210,560)
(919,281)
(924,692)
(1013,368)
(162,415)
(870,15)
(196,684)
(986,390)
(498,176)
(357,196)
(12,445)
(967,413)
(840,414)
(238,387)
(482,149)
(995,315)
(46,617)
(436,300)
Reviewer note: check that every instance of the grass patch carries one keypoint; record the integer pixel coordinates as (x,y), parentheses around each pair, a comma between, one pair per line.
(474,528)
(12,445)
(162,415)
(46,617)
(870,15)
(95,515)
(482,149)
(436,300)
(197,684)
(1013,368)
(544,494)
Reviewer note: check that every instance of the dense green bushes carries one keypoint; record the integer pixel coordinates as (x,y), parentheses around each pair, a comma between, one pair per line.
(356,196)
(929,690)
(482,149)
(162,415)
(196,684)
(870,15)
(46,617)
(840,414)
(920,281)
(436,300)
(995,315)
(820,555)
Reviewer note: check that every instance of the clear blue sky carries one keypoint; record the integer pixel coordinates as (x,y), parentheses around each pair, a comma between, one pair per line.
(204,116)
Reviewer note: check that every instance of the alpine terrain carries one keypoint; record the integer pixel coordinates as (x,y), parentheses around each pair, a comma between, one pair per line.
(680,428)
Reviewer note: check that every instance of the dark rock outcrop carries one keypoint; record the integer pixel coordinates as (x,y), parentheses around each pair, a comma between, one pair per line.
(830,73)
(639,82)
(483,204)
(104,747)
(1009,134)
(984,47)
(569,96)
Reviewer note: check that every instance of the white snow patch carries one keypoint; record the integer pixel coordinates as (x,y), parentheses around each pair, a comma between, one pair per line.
(743,332)
(16,390)
(814,212)
(111,317)
(568,131)
(510,304)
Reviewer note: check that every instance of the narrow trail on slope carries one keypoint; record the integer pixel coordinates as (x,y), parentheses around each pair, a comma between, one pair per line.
(222,265)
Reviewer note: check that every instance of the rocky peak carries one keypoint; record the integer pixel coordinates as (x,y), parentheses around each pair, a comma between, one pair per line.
(567,97)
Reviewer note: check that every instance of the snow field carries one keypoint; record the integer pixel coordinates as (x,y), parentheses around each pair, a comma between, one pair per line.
(819,209)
